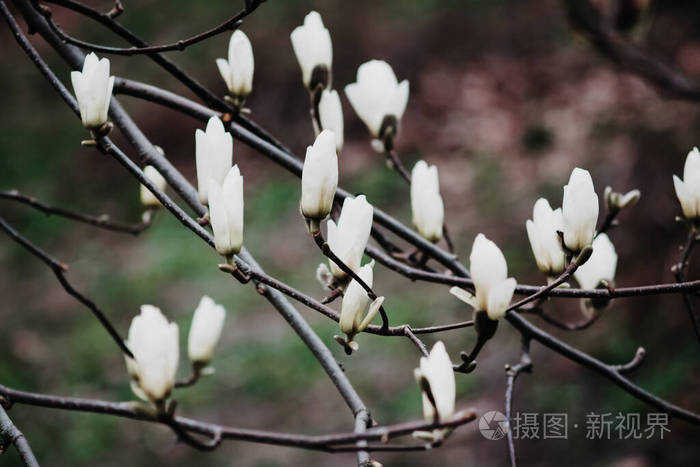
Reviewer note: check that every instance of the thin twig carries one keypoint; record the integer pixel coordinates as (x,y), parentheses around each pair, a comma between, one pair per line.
(230,24)
(59,270)
(102,221)
(512,372)
(326,442)
(679,271)
(10,434)
(326,249)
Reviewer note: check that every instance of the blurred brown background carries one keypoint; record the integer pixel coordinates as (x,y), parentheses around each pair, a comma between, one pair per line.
(505,98)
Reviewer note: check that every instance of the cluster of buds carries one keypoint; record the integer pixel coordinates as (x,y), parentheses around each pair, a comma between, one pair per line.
(220,186)
(314,51)
(154,343)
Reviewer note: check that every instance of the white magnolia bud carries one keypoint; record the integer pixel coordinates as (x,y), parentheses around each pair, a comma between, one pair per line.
(213,155)
(207,323)
(688,189)
(377,94)
(544,240)
(355,302)
(226,212)
(93,90)
(312,46)
(579,210)
(615,201)
(330,113)
(600,266)
(437,371)
(155,345)
(319,179)
(238,70)
(349,237)
(489,271)
(147,198)
(426,202)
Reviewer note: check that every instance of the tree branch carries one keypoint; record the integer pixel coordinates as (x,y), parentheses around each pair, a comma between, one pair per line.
(59,270)
(9,433)
(102,221)
(230,24)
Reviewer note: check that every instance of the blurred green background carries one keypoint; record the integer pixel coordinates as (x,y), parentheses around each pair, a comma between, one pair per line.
(504,98)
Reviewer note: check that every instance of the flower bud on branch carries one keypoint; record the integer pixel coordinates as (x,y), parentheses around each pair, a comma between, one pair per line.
(330,112)
(355,302)
(213,155)
(226,212)
(93,90)
(436,379)
(319,178)
(348,238)
(378,98)
(312,46)
(238,70)
(688,189)
(148,199)
(426,203)
(155,345)
(579,211)
(205,331)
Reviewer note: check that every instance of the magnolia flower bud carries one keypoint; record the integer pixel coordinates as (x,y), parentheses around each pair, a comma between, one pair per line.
(688,189)
(489,270)
(237,71)
(615,201)
(579,210)
(319,179)
(226,212)
(377,97)
(312,46)
(213,155)
(93,90)
(600,267)
(437,376)
(147,198)
(207,323)
(426,202)
(330,113)
(544,240)
(349,237)
(155,345)
(355,301)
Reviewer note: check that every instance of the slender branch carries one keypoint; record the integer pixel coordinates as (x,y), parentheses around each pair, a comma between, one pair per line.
(314,304)
(230,24)
(512,372)
(577,326)
(134,410)
(396,164)
(326,249)
(10,434)
(59,270)
(608,371)
(101,221)
(633,364)
(679,271)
